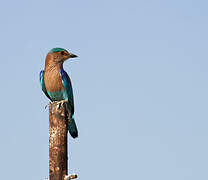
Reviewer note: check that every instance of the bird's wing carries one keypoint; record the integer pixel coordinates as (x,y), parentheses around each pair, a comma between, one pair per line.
(68,86)
(43,84)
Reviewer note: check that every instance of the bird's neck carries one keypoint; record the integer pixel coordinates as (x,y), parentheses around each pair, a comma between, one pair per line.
(51,65)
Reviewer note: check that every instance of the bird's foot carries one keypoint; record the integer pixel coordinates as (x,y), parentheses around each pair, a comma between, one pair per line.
(71,176)
(48,105)
(60,103)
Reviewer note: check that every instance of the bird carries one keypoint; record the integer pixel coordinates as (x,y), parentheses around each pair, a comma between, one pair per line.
(56,83)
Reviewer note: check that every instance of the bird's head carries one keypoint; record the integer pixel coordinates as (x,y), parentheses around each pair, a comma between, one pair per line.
(59,55)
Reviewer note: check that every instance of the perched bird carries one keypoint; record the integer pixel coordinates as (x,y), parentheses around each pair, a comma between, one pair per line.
(56,83)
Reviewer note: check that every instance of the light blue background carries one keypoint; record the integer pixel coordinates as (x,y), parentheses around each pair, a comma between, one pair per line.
(140,87)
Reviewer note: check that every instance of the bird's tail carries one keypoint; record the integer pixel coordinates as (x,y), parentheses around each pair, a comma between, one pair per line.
(72,128)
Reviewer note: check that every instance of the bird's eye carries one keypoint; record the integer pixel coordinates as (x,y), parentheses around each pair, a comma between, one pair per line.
(62,53)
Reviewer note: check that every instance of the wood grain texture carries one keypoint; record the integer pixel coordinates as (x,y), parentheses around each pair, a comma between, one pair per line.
(57,142)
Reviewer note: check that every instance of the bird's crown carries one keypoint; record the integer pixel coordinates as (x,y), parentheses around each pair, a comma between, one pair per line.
(54,50)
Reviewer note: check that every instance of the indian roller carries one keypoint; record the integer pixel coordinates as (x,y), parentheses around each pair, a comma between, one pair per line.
(56,83)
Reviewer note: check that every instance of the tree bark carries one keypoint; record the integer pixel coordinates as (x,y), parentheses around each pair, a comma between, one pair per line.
(57,141)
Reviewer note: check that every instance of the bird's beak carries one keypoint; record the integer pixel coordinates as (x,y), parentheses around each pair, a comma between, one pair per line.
(72,55)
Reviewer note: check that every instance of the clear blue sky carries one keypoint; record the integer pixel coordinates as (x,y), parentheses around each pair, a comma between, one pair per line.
(140,87)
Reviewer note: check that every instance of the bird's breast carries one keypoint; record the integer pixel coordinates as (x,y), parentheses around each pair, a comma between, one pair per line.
(53,82)
(58,95)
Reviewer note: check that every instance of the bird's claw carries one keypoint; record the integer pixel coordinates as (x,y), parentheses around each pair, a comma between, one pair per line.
(60,103)
(47,105)
(71,176)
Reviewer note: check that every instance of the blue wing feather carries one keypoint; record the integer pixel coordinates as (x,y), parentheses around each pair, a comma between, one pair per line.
(68,86)
(43,84)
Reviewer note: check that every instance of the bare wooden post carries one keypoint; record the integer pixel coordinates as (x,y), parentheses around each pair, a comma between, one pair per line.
(57,141)
(58,119)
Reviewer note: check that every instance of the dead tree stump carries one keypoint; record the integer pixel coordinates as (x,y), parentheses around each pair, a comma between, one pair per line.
(58,120)
(57,141)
